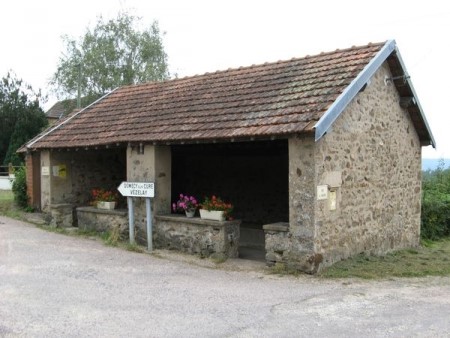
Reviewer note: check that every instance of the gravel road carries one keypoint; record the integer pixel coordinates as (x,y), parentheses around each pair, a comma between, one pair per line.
(54,285)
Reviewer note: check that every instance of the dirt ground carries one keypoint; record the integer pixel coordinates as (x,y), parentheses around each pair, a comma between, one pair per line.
(54,285)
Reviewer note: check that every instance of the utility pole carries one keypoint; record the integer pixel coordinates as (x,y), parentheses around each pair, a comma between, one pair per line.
(79,87)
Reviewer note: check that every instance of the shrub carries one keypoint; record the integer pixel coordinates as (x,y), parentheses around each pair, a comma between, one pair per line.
(19,188)
(435,217)
(435,221)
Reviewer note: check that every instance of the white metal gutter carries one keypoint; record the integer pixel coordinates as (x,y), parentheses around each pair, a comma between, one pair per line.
(338,106)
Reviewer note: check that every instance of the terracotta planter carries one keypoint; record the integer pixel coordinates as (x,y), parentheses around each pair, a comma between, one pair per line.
(213,215)
(106,205)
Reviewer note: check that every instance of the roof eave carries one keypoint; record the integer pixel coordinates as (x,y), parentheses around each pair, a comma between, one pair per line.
(417,102)
(338,106)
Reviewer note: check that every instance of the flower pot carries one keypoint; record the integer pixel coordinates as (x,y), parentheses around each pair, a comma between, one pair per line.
(190,213)
(214,215)
(106,205)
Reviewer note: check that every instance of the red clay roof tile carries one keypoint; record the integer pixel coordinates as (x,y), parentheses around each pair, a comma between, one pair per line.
(273,99)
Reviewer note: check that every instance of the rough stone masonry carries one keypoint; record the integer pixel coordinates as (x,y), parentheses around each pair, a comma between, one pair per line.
(371,161)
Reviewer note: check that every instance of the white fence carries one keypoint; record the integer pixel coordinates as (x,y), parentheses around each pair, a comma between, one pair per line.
(6,177)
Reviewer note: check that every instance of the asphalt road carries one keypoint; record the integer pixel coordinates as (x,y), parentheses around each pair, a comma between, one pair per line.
(53,285)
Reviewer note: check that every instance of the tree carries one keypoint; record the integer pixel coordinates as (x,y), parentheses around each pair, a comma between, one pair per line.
(112,54)
(436,203)
(20,115)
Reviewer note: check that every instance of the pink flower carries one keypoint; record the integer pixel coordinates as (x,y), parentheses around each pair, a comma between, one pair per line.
(185,202)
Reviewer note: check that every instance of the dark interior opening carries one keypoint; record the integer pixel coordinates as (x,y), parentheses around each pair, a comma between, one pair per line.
(253,176)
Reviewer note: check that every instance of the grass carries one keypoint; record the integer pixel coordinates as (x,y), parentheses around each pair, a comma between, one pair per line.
(112,237)
(134,248)
(7,205)
(6,195)
(432,258)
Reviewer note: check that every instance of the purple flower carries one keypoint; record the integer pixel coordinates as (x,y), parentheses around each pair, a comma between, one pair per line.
(185,202)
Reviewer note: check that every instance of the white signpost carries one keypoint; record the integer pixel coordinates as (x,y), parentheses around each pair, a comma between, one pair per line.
(139,189)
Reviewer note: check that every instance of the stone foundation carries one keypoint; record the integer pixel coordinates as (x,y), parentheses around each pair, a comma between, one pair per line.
(197,236)
(61,215)
(93,219)
(277,242)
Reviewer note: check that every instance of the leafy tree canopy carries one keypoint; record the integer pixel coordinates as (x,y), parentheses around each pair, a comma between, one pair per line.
(20,115)
(436,203)
(112,54)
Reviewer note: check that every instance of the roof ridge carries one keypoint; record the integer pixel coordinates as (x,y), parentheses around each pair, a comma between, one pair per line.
(253,66)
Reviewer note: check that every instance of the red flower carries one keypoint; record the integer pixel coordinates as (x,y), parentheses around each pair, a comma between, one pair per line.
(101,195)
(216,203)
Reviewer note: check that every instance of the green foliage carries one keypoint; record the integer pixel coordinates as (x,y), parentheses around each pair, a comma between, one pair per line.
(112,237)
(134,248)
(436,203)
(20,115)
(19,188)
(112,54)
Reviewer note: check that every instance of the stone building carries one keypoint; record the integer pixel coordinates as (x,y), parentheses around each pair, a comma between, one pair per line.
(322,152)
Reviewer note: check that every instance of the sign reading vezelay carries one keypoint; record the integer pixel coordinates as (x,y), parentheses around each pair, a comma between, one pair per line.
(137,189)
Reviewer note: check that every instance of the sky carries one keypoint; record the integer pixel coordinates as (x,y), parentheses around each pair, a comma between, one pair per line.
(204,36)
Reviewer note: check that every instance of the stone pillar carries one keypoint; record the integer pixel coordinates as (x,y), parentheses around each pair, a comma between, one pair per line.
(277,242)
(56,188)
(302,198)
(150,163)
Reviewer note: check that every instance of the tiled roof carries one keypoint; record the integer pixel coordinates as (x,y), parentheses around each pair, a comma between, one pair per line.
(56,111)
(273,99)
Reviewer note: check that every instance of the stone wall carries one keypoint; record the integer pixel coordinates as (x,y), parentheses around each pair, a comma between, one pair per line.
(93,219)
(61,215)
(372,160)
(277,242)
(83,171)
(197,236)
(105,168)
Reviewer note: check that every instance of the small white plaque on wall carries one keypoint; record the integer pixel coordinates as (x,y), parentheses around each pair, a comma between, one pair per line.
(45,171)
(322,192)
(333,200)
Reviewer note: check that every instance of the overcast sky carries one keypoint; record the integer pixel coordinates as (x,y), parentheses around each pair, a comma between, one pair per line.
(204,36)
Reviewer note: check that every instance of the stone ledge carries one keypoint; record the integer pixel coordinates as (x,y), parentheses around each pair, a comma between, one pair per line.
(61,206)
(120,212)
(195,220)
(197,236)
(278,227)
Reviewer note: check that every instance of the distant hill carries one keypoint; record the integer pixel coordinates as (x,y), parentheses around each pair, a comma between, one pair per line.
(432,163)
